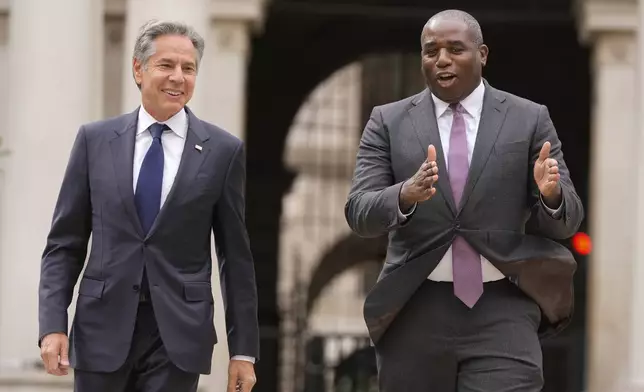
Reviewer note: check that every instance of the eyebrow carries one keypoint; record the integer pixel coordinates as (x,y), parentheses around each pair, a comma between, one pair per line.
(431,44)
(169,60)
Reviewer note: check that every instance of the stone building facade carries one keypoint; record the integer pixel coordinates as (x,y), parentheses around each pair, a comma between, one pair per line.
(67,62)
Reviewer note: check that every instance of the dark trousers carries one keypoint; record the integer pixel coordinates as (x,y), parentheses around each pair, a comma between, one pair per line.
(437,344)
(147,367)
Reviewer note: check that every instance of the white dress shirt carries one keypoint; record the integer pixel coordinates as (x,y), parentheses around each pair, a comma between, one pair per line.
(473,106)
(173,142)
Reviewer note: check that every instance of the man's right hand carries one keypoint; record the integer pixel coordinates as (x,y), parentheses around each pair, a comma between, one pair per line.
(420,187)
(54,349)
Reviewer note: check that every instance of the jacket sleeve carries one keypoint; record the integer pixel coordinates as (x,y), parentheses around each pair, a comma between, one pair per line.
(236,268)
(566,222)
(372,208)
(66,246)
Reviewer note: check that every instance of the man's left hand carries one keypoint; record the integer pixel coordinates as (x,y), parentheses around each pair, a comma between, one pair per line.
(241,376)
(546,175)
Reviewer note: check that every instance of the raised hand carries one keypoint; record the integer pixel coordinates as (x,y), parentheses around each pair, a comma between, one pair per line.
(546,175)
(420,187)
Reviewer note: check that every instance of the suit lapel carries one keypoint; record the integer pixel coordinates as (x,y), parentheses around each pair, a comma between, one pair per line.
(122,148)
(492,117)
(191,160)
(424,121)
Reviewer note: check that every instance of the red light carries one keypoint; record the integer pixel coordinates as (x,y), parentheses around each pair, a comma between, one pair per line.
(582,244)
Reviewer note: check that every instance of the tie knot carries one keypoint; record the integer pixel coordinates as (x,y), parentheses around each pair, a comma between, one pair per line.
(157,129)
(457,108)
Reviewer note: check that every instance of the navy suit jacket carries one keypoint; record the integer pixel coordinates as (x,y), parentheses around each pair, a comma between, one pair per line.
(97,199)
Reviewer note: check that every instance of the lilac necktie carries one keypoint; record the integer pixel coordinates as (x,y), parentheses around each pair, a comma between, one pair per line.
(466,262)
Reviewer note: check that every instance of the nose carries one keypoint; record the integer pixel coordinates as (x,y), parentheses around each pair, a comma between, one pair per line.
(177,75)
(443,59)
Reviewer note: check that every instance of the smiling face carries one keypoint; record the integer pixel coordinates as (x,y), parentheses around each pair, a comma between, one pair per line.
(452,61)
(168,78)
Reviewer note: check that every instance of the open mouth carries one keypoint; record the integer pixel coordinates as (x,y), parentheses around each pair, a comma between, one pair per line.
(445,77)
(173,93)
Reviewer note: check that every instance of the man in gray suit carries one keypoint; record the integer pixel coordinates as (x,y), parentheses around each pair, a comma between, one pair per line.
(470,185)
(149,186)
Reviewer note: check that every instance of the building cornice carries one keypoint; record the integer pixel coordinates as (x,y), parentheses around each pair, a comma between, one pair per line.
(608,16)
(249,11)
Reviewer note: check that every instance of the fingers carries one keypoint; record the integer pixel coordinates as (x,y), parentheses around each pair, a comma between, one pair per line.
(63,365)
(241,383)
(550,177)
(426,182)
(425,179)
(54,352)
(545,152)
(50,352)
(429,193)
(552,170)
(428,172)
(427,169)
(420,187)
(431,153)
(232,381)
(247,386)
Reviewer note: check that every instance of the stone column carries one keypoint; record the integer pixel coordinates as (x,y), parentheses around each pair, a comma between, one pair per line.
(637,309)
(227,43)
(223,82)
(55,64)
(611,28)
(233,21)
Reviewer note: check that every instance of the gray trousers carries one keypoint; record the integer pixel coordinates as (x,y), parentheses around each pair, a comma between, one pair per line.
(437,344)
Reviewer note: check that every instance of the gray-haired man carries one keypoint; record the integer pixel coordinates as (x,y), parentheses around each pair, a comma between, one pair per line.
(149,186)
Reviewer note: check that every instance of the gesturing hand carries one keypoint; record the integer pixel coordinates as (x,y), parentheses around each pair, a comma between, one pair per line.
(420,187)
(546,175)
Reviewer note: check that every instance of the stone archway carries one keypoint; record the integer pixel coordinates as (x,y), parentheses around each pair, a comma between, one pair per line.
(345,254)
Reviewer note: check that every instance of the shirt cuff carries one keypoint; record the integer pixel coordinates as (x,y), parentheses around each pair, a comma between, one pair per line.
(555,214)
(243,358)
(403,217)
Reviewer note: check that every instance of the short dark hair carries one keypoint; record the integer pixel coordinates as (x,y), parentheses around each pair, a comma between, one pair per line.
(462,16)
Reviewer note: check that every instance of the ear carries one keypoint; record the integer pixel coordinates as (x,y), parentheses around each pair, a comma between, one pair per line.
(483,52)
(137,71)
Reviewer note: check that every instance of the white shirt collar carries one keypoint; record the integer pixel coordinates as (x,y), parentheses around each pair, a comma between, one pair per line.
(177,123)
(473,103)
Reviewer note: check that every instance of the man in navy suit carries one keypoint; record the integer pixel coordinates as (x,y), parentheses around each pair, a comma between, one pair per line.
(149,186)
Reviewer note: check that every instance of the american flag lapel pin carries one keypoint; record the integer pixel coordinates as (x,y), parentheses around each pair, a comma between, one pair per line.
(198,147)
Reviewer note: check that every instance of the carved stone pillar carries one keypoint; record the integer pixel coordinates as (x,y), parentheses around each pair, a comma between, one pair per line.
(611,28)
(55,60)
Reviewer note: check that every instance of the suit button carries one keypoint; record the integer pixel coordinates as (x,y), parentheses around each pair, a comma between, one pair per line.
(136,287)
(457,225)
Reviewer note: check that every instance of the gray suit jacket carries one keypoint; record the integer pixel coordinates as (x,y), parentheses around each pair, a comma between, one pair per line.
(500,213)
(97,198)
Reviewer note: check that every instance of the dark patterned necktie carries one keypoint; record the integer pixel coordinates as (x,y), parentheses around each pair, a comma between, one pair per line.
(466,262)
